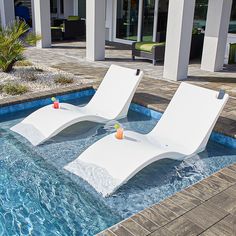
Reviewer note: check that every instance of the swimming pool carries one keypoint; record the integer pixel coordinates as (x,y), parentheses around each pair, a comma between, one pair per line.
(38,197)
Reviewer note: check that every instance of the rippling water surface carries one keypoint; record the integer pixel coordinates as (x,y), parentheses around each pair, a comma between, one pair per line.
(38,197)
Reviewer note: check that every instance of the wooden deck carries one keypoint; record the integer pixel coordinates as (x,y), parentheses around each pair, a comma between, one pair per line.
(207,208)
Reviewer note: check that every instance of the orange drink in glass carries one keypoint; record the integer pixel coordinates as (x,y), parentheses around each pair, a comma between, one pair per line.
(120,133)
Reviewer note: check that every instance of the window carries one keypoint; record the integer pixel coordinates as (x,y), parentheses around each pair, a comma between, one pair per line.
(62,6)
(232,24)
(53,6)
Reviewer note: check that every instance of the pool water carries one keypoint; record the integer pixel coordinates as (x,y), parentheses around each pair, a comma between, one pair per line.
(39,197)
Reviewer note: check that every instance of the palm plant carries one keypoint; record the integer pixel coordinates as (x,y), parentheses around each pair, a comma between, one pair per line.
(13,41)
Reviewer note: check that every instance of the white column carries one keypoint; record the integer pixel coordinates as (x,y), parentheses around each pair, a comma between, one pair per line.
(7,12)
(95,30)
(68,8)
(76,7)
(42,22)
(178,39)
(109,19)
(140,21)
(33,15)
(155,23)
(217,25)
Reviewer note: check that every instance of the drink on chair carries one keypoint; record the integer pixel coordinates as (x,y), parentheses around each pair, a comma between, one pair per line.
(120,133)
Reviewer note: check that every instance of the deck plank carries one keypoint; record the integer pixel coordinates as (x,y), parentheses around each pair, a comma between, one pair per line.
(154,216)
(165,212)
(162,232)
(184,227)
(225,177)
(178,210)
(205,215)
(145,223)
(202,195)
(134,228)
(224,201)
(106,233)
(119,230)
(221,228)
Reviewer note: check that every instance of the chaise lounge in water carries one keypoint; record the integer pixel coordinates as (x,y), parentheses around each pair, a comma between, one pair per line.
(183,131)
(110,102)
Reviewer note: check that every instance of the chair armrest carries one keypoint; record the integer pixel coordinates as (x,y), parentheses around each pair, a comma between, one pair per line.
(133,46)
(159,52)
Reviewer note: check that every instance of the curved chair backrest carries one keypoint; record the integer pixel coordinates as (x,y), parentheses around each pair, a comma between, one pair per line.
(114,95)
(190,118)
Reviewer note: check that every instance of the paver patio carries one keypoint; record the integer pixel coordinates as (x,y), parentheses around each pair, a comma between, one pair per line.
(154,91)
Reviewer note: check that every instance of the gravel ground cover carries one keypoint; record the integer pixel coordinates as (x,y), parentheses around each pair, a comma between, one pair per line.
(31,77)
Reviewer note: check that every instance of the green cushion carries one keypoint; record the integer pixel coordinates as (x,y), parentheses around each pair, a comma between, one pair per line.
(147,46)
(56,27)
(73,18)
(232,53)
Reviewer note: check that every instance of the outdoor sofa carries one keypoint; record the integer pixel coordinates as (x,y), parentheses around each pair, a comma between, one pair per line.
(155,51)
(71,28)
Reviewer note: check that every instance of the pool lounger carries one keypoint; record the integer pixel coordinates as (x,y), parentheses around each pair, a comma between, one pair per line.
(110,102)
(183,131)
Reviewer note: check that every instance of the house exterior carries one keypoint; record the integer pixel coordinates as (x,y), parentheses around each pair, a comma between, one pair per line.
(126,21)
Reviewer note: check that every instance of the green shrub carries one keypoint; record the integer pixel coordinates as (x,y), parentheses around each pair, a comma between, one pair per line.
(13,40)
(14,89)
(23,63)
(63,80)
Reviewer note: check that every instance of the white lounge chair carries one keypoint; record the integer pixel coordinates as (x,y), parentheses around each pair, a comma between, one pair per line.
(183,131)
(110,102)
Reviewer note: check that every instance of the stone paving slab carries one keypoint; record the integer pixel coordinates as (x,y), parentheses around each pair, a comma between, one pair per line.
(214,215)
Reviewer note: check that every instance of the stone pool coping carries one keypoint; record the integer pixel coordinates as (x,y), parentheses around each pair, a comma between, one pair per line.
(43,94)
(37,99)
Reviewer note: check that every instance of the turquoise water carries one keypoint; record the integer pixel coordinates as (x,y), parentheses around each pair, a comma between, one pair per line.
(38,197)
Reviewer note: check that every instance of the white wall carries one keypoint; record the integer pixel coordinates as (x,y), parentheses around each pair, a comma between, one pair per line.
(7,12)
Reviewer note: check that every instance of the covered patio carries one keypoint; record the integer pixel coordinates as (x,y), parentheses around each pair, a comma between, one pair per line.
(178,35)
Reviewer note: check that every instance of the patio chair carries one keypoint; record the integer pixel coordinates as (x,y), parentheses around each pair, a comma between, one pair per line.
(232,53)
(149,50)
(73,27)
(110,102)
(155,51)
(183,131)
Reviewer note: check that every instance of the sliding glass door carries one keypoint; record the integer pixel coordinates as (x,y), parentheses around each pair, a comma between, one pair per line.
(127,19)
(148,20)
